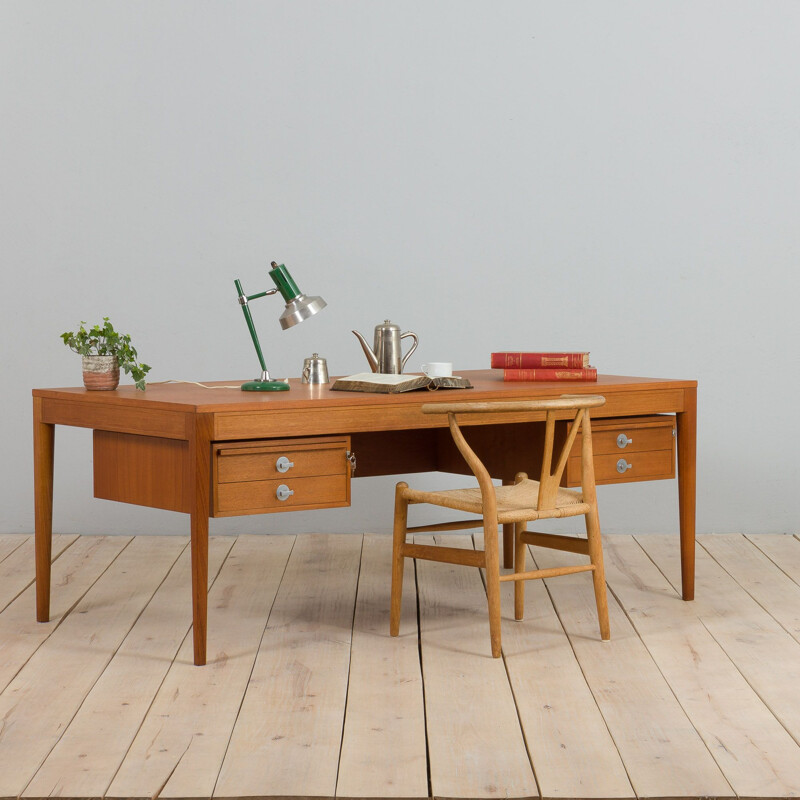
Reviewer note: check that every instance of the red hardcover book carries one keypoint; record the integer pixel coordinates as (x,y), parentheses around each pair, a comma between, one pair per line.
(550,374)
(538,360)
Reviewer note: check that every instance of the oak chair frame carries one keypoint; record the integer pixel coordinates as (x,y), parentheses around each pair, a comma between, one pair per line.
(500,505)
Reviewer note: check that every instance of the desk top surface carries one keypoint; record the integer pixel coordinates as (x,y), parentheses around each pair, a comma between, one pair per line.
(487,385)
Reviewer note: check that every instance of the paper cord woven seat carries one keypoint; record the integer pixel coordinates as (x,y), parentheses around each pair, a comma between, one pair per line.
(525,501)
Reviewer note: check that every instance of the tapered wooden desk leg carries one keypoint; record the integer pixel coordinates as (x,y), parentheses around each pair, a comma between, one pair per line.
(200,464)
(687,487)
(508,539)
(508,546)
(43,449)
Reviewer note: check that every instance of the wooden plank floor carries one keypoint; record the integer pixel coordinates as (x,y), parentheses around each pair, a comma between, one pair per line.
(305,694)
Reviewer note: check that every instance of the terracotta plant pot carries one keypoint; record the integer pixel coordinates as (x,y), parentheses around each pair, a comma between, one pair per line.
(100,373)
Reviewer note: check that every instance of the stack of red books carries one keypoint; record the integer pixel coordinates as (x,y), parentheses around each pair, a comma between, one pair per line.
(544,366)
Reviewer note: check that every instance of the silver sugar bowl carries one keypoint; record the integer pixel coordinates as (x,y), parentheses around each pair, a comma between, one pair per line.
(315,370)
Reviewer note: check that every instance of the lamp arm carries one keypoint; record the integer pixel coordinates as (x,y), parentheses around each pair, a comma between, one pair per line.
(243,299)
(249,319)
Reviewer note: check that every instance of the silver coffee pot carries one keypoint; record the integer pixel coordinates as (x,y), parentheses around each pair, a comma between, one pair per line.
(387,353)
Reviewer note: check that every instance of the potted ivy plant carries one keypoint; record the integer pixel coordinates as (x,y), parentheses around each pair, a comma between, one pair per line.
(104,351)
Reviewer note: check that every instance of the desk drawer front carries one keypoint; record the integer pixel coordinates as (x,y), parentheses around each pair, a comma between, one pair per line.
(649,466)
(269,475)
(236,464)
(627,439)
(628,449)
(259,497)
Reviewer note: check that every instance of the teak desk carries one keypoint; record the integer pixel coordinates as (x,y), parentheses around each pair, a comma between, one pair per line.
(223,452)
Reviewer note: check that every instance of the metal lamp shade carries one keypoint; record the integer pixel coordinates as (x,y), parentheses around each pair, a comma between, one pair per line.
(300,309)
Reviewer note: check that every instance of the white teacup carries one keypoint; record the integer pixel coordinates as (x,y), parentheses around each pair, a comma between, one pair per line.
(438,369)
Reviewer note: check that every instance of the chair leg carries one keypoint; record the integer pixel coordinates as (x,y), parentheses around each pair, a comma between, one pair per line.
(519,559)
(598,576)
(490,537)
(520,549)
(398,559)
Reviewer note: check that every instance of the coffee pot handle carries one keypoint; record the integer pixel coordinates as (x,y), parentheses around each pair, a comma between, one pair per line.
(411,349)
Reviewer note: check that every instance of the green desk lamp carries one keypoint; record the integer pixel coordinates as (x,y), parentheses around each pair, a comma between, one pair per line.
(299,307)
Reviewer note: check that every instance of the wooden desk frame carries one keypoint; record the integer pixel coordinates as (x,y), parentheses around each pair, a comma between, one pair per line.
(201,417)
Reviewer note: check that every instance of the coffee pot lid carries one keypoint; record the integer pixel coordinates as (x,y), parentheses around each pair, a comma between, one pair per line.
(387,325)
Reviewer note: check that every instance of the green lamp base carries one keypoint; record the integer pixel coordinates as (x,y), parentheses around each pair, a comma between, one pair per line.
(265,386)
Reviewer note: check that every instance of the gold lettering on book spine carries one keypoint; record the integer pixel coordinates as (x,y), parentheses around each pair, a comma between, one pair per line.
(555,362)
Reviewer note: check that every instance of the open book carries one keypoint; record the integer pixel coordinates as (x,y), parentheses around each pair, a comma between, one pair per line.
(391,384)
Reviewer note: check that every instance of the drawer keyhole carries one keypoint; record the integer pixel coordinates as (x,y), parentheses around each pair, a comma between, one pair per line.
(283,464)
(623,441)
(283,492)
(623,466)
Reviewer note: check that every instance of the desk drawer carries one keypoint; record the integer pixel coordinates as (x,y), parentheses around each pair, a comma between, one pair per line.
(260,497)
(289,458)
(259,477)
(648,466)
(628,449)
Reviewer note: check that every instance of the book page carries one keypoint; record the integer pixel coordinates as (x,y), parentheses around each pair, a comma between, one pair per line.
(379,377)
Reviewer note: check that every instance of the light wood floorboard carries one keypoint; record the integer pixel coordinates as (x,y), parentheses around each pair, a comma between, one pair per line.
(48,691)
(474,737)
(110,717)
(306,695)
(751,747)
(73,573)
(9,542)
(17,565)
(572,751)
(662,751)
(761,577)
(182,741)
(783,550)
(762,650)
(295,700)
(385,703)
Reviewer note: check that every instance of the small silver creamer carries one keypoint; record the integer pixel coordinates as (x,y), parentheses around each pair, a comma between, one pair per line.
(315,370)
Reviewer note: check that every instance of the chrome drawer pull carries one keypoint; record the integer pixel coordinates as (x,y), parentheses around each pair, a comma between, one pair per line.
(283,492)
(623,441)
(283,464)
(351,457)
(623,465)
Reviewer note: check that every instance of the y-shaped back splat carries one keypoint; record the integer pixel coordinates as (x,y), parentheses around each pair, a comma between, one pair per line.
(550,479)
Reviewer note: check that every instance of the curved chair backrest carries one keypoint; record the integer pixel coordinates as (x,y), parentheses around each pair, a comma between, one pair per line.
(550,477)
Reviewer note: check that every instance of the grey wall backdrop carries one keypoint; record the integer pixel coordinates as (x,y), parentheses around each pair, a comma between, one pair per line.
(622,177)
